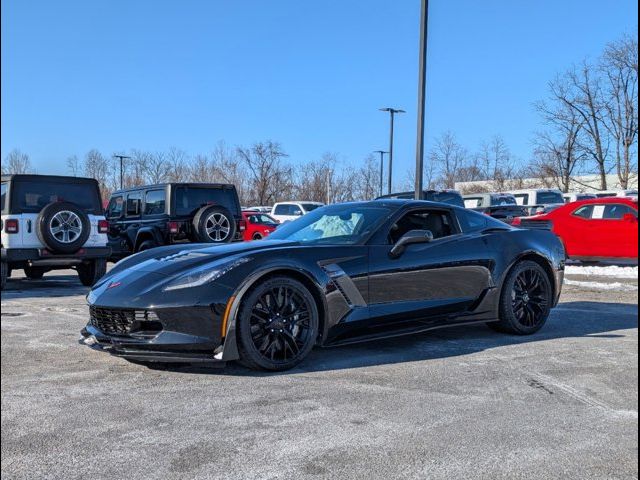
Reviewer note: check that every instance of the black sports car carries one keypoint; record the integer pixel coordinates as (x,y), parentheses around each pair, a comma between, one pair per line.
(340,274)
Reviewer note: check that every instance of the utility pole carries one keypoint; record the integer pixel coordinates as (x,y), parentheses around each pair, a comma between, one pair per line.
(392,113)
(122,159)
(381,152)
(422,87)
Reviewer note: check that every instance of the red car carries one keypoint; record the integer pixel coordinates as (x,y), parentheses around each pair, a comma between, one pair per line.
(259,225)
(595,229)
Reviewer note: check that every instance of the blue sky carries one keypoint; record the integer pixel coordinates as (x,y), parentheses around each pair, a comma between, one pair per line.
(115,75)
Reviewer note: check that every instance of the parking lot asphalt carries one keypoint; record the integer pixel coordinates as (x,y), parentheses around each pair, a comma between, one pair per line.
(458,403)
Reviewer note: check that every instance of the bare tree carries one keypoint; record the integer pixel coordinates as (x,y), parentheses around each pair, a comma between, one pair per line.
(368,179)
(178,165)
(620,68)
(558,151)
(580,89)
(269,178)
(98,166)
(74,165)
(16,162)
(449,157)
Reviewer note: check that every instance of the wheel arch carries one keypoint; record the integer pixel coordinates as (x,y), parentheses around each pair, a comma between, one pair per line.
(541,260)
(230,346)
(143,235)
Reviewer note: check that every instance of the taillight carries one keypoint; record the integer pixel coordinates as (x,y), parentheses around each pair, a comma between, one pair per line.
(242,225)
(11,225)
(103,226)
(174,227)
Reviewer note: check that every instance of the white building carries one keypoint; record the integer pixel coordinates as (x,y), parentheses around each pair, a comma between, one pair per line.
(585,183)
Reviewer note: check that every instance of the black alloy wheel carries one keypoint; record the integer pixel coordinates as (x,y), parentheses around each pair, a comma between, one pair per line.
(277,325)
(530,298)
(525,301)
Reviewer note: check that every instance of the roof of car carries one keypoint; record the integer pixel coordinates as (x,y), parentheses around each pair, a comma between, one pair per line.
(174,184)
(589,201)
(34,177)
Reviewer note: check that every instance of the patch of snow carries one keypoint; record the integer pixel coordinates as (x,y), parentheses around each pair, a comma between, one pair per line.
(620,287)
(605,271)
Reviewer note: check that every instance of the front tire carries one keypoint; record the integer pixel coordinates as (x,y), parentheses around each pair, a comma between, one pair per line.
(525,301)
(90,273)
(277,325)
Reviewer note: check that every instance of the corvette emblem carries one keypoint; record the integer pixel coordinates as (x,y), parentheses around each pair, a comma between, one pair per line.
(114,285)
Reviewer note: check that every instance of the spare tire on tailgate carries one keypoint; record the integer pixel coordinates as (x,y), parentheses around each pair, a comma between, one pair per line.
(63,227)
(214,224)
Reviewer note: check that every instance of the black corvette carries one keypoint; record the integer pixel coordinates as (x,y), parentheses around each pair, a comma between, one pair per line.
(340,274)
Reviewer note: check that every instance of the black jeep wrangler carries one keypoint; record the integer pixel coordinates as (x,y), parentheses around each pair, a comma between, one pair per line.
(51,222)
(150,216)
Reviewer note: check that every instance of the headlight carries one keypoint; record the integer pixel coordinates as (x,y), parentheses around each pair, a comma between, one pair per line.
(204,274)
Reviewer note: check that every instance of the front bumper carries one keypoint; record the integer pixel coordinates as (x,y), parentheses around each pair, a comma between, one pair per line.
(93,338)
(190,335)
(44,257)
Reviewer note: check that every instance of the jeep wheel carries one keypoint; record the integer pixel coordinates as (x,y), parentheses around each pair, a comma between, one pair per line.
(63,227)
(35,273)
(214,224)
(90,273)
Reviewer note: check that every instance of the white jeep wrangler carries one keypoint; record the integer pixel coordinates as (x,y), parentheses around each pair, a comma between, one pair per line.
(50,222)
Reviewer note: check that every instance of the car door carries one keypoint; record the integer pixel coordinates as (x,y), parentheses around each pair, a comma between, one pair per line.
(429,280)
(620,235)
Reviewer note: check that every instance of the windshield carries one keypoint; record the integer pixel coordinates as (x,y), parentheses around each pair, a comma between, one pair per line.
(345,224)
(190,199)
(262,219)
(502,200)
(32,196)
(452,198)
(308,207)
(546,198)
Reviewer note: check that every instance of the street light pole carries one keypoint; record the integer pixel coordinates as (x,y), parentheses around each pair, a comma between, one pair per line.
(122,158)
(381,152)
(392,112)
(422,85)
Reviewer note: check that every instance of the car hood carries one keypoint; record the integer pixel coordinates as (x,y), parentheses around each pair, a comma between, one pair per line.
(178,260)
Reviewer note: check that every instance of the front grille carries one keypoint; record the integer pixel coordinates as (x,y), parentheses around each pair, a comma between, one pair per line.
(121,321)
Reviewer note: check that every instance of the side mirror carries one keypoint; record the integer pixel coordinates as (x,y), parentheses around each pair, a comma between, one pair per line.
(630,217)
(409,238)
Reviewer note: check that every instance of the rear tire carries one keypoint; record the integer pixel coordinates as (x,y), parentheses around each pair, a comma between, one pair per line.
(146,245)
(35,273)
(91,272)
(525,300)
(277,325)
(257,236)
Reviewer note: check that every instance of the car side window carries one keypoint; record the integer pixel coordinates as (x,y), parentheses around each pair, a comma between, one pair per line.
(522,198)
(584,212)
(282,210)
(472,221)
(154,202)
(3,199)
(295,210)
(473,202)
(438,222)
(134,200)
(617,211)
(114,209)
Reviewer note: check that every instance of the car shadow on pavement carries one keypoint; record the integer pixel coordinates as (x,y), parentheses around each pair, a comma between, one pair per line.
(569,320)
(51,285)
